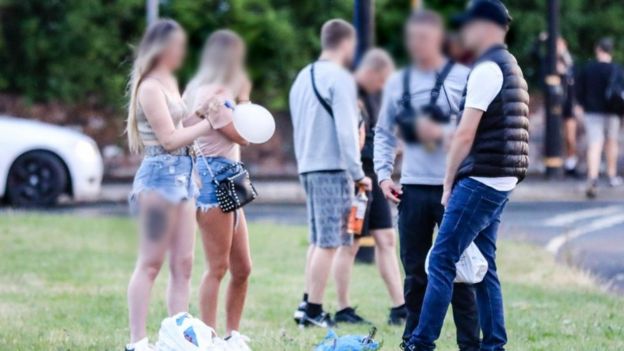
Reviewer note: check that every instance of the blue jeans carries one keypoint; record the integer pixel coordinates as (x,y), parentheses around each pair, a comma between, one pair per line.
(472,214)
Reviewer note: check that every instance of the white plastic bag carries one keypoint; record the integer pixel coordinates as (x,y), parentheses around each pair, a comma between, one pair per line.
(470,269)
(182,332)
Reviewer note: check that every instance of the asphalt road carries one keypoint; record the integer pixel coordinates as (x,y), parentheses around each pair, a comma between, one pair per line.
(588,235)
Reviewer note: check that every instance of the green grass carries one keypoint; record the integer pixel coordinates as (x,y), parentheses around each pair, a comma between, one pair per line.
(63,281)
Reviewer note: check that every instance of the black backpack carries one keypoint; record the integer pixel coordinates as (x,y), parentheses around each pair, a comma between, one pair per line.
(615,91)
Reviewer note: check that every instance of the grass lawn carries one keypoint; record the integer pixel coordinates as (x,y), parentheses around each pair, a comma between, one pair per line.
(63,282)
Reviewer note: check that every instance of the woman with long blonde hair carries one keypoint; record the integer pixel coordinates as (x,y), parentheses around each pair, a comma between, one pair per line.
(163,190)
(224,235)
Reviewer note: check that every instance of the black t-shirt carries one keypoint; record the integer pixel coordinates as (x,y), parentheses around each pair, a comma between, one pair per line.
(592,84)
(371,104)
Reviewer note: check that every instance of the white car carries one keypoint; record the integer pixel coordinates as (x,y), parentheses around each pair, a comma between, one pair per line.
(39,162)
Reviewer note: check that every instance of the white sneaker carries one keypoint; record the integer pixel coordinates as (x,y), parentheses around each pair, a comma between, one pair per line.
(238,341)
(220,345)
(141,345)
(615,181)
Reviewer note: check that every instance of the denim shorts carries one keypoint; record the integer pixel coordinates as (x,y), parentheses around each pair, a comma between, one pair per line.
(168,175)
(221,168)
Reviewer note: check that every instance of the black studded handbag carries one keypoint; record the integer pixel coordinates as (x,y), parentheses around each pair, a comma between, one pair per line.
(235,191)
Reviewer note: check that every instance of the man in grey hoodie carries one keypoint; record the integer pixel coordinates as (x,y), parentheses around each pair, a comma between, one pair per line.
(325,117)
(423,163)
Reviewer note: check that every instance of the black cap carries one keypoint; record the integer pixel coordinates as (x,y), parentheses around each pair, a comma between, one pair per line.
(488,10)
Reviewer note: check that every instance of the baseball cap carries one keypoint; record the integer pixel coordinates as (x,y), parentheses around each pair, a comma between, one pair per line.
(488,10)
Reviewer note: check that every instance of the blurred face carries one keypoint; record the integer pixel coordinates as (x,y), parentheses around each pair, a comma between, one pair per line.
(470,34)
(175,51)
(424,40)
(376,80)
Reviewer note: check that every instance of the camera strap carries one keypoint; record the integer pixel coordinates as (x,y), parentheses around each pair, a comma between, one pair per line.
(441,77)
(321,100)
(406,98)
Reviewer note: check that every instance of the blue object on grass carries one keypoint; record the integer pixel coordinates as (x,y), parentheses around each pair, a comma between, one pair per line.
(333,342)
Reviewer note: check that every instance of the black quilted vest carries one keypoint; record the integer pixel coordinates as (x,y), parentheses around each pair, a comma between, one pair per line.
(501,145)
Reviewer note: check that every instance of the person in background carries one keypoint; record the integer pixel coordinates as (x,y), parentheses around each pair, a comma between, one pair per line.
(565,68)
(224,235)
(423,167)
(487,157)
(324,112)
(163,191)
(371,75)
(602,126)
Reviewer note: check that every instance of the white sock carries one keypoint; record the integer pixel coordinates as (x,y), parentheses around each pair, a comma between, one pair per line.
(570,162)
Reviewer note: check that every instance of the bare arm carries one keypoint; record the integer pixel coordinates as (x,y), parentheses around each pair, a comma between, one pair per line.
(460,147)
(222,120)
(154,104)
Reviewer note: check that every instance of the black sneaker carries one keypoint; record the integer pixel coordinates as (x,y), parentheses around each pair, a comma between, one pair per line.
(348,315)
(323,320)
(398,315)
(299,312)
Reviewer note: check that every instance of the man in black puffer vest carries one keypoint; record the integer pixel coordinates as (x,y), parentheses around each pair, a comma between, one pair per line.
(487,158)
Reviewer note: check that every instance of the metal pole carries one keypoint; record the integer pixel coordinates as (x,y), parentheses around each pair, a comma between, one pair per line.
(553,147)
(364,22)
(151,9)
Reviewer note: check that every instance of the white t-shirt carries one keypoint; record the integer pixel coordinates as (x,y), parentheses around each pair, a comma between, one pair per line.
(484,83)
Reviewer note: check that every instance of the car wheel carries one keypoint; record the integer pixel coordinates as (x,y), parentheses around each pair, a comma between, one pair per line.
(36,179)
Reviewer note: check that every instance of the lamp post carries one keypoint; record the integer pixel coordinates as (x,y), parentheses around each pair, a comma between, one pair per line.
(364,23)
(553,141)
(151,11)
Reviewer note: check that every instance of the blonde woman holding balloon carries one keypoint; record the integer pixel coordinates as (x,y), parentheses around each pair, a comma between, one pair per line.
(224,234)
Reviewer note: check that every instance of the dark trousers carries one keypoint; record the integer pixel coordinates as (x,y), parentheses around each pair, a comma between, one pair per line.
(472,215)
(419,212)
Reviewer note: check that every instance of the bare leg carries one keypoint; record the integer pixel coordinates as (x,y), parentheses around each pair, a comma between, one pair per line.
(309,255)
(388,264)
(594,151)
(217,230)
(611,150)
(318,273)
(240,269)
(570,137)
(155,222)
(343,270)
(181,259)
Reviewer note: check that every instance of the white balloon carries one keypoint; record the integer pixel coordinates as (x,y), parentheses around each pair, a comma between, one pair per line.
(254,123)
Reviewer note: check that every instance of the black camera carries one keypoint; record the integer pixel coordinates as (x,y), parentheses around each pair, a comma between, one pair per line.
(406,119)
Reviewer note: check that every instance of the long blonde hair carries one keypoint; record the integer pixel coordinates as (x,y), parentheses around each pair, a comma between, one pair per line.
(217,64)
(152,44)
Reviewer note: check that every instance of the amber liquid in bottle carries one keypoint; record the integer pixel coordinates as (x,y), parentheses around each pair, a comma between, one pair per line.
(358,212)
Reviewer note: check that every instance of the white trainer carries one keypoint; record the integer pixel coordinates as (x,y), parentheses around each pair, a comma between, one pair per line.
(141,345)
(238,341)
(221,345)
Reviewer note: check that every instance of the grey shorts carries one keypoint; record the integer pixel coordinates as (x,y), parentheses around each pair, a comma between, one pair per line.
(600,126)
(328,197)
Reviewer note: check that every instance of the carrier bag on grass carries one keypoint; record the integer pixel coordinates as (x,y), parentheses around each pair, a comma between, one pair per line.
(333,342)
(182,332)
(470,269)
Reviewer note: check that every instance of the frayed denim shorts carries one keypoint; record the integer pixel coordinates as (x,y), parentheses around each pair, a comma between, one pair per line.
(221,168)
(170,176)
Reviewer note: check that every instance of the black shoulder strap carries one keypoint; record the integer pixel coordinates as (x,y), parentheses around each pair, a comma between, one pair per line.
(324,103)
(406,98)
(435,92)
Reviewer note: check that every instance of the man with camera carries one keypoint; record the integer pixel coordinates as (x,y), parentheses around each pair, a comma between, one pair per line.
(488,156)
(422,102)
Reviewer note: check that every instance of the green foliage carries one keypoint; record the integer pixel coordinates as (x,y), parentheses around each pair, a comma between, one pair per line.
(79,51)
